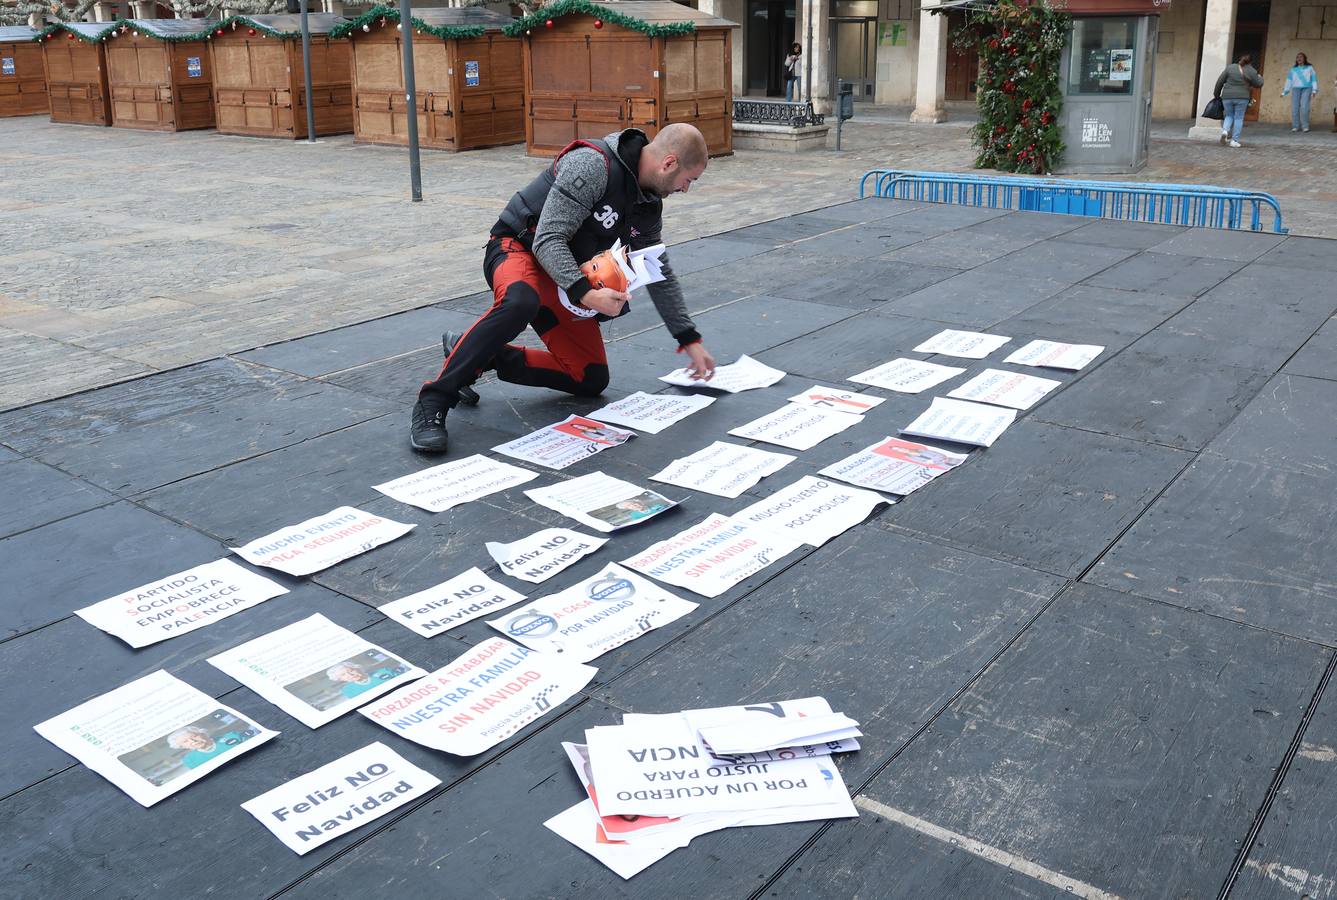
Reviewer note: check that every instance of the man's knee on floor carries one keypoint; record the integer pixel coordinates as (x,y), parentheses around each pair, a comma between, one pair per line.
(594,382)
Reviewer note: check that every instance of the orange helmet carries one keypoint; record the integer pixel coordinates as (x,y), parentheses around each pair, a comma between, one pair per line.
(604,271)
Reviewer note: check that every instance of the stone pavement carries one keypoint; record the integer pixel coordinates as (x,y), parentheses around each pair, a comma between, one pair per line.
(128,252)
(1093,661)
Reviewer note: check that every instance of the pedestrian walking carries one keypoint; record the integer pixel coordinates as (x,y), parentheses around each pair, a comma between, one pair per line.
(1232,87)
(1301,85)
(792,61)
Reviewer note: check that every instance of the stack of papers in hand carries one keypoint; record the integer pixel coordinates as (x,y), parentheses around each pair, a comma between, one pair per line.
(654,782)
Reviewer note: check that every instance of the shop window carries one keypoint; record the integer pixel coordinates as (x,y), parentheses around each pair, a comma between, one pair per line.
(1104,54)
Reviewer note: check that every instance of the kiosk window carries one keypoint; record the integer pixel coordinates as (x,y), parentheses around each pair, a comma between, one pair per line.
(1104,53)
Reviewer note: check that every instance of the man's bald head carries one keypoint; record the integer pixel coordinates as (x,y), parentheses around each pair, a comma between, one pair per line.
(673,160)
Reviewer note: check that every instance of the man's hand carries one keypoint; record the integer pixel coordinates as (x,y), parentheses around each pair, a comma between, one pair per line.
(606,301)
(702,365)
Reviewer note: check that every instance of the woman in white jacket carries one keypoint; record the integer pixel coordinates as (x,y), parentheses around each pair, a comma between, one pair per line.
(1301,84)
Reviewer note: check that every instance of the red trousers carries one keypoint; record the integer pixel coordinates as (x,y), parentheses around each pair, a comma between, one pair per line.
(523,294)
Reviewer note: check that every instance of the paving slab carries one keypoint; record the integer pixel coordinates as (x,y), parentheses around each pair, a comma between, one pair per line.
(786,230)
(355,345)
(1296,850)
(964,248)
(1063,752)
(55,569)
(1291,424)
(36,494)
(48,656)
(1258,282)
(706,253)
(1165,273)
(973,298)
(1086,315)
(1133,235)
(1148,397)
(869,209)
(751,325)
(1243,541)
(851,346)
(1260,335)
(1303,253)
(891,625)
(1215,243)
(1318,357)
(1048,497)
(861,284)
(1056,261)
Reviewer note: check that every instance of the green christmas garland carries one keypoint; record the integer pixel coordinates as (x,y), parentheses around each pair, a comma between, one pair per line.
(1020,45)
(391,14)
(602,11)
(205,34)
(99,37)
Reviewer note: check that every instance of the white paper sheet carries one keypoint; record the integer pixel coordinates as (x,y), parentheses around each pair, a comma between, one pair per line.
(441,487)
(480,698)
(588,619)
(601,501)
(321,542)
(1056,355)
(579,825)
(811,510)
(965,344)
(315,670)
(713,555)
(651,413)
(841,401)
(666,831)
(662,769)
(1000,388)
(797,426)
(339,797)
(906,376)
(544,553)
(442,607)
(745,375)
(962,422)
(723,469)
(153,736)
(758,736)
(180,603)
(567,442)
(798,710)
(894,466)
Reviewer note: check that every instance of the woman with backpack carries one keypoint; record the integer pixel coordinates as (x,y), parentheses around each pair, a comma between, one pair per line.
(792,91)
(1302,85)
(1233,90)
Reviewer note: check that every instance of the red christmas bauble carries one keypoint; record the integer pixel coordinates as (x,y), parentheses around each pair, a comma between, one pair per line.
(598,23)
(250,31)
(219,33)
(548,23)
(71,37)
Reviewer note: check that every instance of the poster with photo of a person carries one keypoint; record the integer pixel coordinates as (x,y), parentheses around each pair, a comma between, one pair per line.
(347,679)
(189,747)
(631,510)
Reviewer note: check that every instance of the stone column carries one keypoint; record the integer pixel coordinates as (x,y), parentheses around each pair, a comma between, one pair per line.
(104,12)
(931,70)
(1217,30)
(334,6)
(143,10)
(817,67)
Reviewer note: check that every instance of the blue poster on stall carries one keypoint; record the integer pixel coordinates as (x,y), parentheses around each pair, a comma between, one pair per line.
(471,73)
(6,65)
(193,68)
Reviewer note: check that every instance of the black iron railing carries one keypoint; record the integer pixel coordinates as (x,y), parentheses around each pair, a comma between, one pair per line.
(775,112)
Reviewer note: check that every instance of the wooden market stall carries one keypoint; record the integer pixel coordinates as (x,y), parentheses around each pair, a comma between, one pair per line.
(259,88)
(22,81)
(75,55)
(160,74)
(594,67)
(469,77)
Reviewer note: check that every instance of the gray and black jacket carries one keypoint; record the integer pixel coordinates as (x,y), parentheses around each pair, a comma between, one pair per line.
(584,202)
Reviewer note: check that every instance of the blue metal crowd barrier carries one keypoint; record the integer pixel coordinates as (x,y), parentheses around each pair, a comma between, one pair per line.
(1169,204)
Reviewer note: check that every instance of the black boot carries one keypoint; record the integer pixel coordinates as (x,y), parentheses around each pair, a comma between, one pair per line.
(468,396)
(428,433)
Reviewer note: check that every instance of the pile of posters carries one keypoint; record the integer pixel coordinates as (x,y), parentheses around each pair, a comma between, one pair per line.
(907,376)
(601,501)
(1056,355)
(965,344)
(441,487)
(327,803)
(180,603)
(154,736)
(321,542)
(443,606)
(723,469)
(833,398)
(314,670)
(480,698)
(569,441)
(745,375)
(1010,389)
(797,426)
(894,466)
(961,422)
(599,614)
(543,554)
(652,783)
(652,413)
